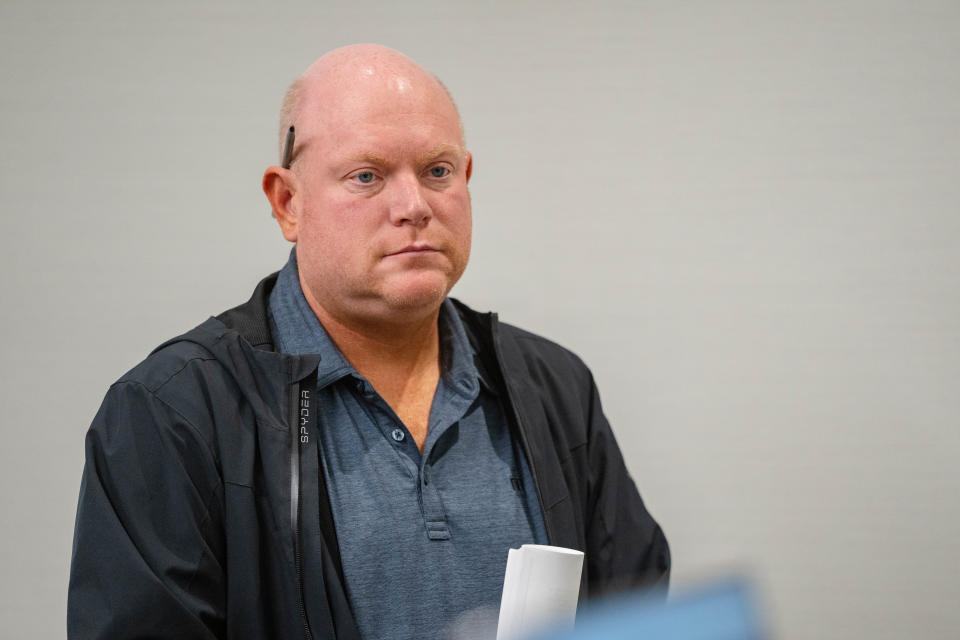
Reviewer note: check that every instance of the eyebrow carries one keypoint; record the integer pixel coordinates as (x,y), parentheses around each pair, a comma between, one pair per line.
(438,151)
(423,158)
(369,157)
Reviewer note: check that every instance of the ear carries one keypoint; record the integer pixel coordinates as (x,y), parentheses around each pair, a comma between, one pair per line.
(280,186)
(469,165)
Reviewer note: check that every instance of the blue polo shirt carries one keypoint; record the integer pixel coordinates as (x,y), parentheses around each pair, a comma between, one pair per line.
(423,537)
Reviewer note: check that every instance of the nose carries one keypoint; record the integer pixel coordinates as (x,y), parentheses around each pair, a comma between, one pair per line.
(409,205)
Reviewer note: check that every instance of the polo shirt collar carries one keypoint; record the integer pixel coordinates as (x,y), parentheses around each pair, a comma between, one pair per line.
(297,331)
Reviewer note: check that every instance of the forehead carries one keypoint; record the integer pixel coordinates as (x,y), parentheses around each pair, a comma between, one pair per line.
(388,115)
(386,144)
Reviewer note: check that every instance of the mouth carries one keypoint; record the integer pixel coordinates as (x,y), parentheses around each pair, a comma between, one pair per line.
(413,249)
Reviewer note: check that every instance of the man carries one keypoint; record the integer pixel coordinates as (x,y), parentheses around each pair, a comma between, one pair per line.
(350,453)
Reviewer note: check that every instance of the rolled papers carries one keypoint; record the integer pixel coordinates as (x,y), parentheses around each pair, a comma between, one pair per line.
(541,587)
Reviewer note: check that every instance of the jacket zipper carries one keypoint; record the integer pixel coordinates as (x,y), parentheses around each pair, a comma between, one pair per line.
(498,352)
(295,500)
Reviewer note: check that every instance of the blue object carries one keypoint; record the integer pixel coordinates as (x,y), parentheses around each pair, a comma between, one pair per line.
(723,611)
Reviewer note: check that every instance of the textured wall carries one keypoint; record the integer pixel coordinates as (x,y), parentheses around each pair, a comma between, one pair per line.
(744,217)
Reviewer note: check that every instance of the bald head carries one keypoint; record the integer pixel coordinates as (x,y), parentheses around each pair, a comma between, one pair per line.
(350,77)
(376,197)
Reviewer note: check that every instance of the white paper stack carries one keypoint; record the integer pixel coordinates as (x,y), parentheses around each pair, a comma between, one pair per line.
(540,590)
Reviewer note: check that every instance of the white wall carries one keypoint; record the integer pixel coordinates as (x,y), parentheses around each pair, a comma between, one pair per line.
(742,215)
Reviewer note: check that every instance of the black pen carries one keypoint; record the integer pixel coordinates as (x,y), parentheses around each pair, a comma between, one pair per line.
(287,155)
(287,149)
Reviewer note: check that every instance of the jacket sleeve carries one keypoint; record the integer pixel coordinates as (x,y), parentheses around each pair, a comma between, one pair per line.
(148,543)
(626,548)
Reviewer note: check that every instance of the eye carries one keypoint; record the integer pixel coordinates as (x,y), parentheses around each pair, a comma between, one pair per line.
(439,171)
(365,177)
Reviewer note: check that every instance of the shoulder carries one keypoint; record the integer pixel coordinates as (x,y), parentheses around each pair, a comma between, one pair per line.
(539,348)
(541,354)
(181,365)
(178,387)
(168,364)
(523,355)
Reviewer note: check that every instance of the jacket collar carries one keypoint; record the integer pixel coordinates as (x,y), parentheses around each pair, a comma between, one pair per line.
(251,319)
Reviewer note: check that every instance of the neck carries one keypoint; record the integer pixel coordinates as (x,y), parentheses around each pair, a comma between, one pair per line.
(387,354)
(400,349)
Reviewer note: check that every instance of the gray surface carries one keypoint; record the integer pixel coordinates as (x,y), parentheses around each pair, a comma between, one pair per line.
(760,202)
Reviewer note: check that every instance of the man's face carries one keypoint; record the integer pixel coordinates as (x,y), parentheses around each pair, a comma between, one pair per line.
(384,211)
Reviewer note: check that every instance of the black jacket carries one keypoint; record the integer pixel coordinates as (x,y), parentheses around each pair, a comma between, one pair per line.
(203,511)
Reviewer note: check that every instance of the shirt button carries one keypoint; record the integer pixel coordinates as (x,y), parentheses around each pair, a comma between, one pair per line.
(398,435)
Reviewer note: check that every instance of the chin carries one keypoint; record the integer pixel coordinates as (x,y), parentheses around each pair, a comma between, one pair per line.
(423,295)
(424,300)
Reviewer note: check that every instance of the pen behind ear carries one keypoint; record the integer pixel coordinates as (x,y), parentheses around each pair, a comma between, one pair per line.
(287,149)
(287,153)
